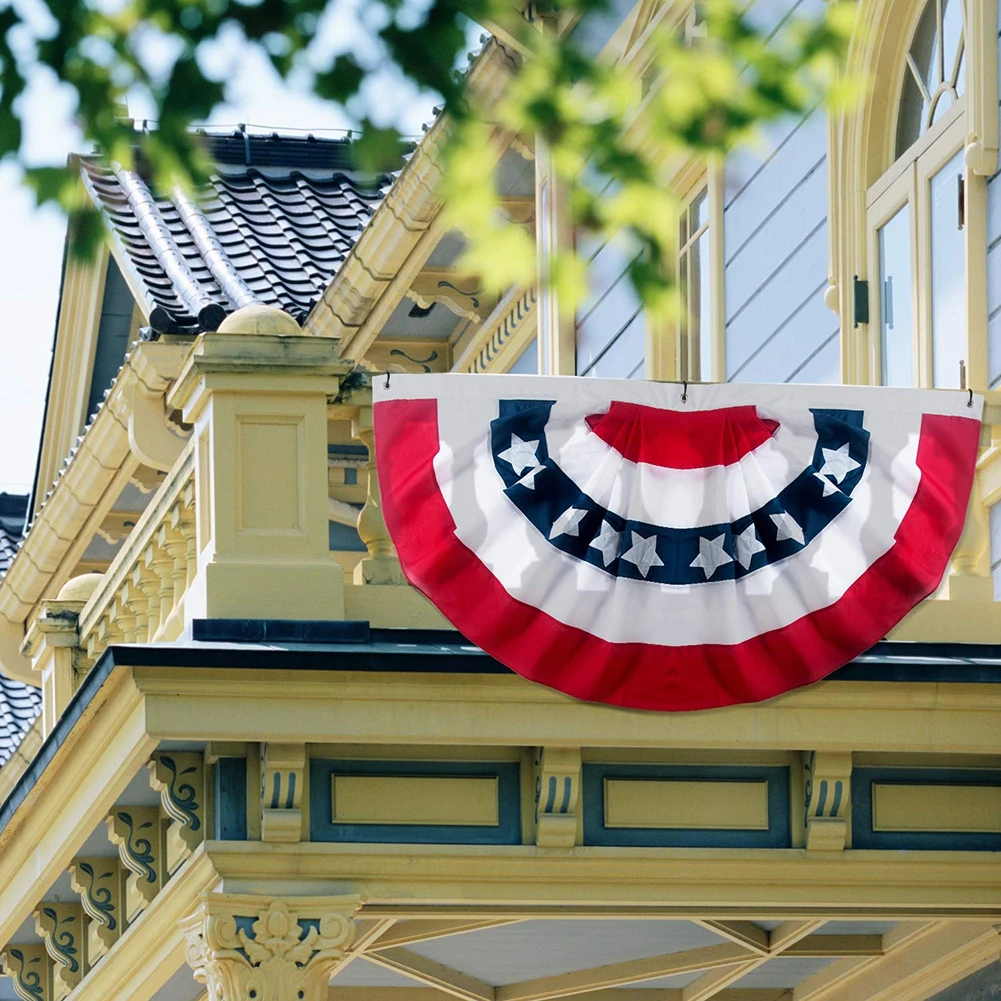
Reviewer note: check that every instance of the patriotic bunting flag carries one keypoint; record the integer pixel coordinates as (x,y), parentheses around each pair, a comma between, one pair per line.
(625,543)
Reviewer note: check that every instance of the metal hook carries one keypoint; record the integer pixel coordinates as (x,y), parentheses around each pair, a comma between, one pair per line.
(684,393)
(387,379)
(969,402)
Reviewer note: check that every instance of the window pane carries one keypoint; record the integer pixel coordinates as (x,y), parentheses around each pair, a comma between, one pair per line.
(948,277)
(952,35)
(701,326)
(895,300)
(699,212)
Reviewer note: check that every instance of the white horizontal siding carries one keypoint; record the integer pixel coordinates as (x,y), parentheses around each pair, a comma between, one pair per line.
(799,212)
(797,280)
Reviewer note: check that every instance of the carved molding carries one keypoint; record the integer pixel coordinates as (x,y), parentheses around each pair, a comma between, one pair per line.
(282,774)
(826,796)
(99,883)
(61,928)
(557,790)
(135,831)
(268,949)
(179,778)
(461,294)
(30,971)
(511,316)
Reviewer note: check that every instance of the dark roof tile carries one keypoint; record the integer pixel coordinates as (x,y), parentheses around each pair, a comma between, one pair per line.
(19,704)
(284,210)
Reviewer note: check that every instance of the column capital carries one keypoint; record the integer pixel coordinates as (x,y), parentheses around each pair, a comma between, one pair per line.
(255,948)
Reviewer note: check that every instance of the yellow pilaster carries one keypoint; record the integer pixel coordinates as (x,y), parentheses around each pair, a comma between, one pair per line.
(288,955)
(256,392)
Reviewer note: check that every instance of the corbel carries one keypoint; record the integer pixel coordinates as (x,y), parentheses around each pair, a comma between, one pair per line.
(30,971)
(99,881)
(135,831)
(461,294)
(283,768)
(61,928)
(827,797)
(179,778)
(557,791)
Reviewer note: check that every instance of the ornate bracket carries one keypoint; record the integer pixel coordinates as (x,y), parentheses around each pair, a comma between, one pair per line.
(61,928)
(267,949)
(827,794)
(30,971)
(461,294)
(179,778)
(282,774)
(99,882)
(135,830)
(557,789)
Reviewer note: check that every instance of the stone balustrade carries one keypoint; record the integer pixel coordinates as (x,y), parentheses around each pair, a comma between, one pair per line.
(140,599)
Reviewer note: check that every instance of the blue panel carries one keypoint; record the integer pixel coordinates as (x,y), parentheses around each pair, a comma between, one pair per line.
(507,831)
(344,538)
(596,833)
(863,836)
(231,799)
(112,334)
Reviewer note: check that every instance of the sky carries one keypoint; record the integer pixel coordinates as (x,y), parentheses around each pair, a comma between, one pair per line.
(31,253)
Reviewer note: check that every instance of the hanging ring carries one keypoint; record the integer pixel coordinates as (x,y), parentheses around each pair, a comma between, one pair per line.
(387,379)
(969,402)
(684,393)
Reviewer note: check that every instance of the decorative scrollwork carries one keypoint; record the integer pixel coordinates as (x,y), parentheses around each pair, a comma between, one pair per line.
(178,795)
(137,851)
(28,968)
(288,953)
(425,363)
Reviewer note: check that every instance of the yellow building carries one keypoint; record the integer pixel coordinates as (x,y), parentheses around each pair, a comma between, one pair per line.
(266,769)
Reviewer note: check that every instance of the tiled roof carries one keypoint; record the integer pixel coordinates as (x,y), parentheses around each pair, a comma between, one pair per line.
(273,226)
(19,704)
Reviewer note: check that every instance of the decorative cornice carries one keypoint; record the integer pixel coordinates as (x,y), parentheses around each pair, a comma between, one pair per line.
(512,316)
(268,949)
(83,492)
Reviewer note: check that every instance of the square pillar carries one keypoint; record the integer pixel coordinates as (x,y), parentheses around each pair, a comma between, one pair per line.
(257,400)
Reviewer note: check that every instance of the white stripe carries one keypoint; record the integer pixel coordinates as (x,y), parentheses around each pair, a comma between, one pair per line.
(593,395)
(624,610)
(680,498)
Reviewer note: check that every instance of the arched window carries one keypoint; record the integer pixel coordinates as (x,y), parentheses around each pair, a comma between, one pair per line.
(918,210)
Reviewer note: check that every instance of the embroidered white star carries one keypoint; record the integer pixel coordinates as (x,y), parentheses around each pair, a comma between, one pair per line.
(567,523)
(521,454)
(528,480)
(829,487)
(787,528)
(643,553)
(838,463)
(608,542)
(747,544)
(711,556)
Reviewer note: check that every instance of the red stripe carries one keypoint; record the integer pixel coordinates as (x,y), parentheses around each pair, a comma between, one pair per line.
(648,676)
(689,439)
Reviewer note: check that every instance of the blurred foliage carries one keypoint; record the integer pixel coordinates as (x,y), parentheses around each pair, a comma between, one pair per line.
(612,134)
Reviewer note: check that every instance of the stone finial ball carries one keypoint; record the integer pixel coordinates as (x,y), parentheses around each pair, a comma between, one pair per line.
(80,588)
(260,319)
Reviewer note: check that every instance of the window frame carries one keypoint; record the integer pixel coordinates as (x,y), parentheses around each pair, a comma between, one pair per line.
(907,182)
